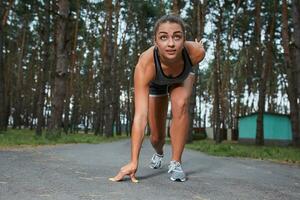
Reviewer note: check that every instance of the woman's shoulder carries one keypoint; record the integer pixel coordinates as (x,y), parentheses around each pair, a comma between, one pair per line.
(145,64)
(147,56)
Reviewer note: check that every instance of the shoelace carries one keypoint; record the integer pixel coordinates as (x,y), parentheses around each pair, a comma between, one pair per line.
(156,159)
(173,166)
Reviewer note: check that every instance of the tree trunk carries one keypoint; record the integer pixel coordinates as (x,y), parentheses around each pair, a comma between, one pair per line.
(116,74)
(257,35)
(267,67)
(226,94)
(176,7)
(296,57)
(61,72)
(291,88)
(75,76)
(70,80)
(44,69)
(32,95)
(128,109)
(199,21)
(216,80)
(3,98)
(107,64)
(19,96)
(2,84)
(296,23)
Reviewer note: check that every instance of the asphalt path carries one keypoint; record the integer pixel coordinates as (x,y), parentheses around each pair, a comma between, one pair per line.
(81,171)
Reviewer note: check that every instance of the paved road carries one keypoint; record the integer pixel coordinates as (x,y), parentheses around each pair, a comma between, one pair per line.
(81,171)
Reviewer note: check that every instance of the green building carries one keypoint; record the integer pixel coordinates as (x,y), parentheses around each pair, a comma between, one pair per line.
(277,128)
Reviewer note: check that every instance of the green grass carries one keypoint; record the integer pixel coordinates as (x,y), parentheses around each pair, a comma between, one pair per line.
(231,149)
(25,137)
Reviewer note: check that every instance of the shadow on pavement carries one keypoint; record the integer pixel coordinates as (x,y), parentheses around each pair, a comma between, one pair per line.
(156,173)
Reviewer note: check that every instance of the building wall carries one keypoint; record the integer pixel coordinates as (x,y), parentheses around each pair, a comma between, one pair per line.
(276,127)
(247,126)
(210,132)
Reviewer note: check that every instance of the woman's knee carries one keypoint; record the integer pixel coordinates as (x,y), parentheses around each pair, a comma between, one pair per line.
(180,107)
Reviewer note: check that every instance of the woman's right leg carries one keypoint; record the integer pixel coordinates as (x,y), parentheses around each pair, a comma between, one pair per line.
(158,107)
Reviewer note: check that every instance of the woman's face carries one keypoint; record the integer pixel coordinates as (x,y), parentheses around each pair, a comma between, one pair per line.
(169,39)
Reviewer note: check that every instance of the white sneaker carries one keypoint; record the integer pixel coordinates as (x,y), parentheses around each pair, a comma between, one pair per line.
(156,160)
(176,171)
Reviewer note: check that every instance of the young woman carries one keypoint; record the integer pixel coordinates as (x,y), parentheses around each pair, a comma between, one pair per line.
(164,70)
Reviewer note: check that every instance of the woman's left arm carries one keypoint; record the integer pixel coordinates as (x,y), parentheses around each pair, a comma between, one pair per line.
(196,50)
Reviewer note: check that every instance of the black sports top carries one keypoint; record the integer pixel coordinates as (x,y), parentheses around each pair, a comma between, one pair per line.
(162,79)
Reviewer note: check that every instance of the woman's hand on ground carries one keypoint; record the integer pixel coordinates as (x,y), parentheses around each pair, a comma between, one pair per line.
(129,169)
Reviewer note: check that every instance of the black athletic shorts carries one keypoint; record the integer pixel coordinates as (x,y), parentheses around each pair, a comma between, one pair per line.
(156,90)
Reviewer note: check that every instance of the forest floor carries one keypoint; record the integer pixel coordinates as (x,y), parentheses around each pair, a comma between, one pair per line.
(81,171)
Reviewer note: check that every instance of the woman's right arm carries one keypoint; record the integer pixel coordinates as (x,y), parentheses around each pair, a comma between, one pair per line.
(141,96)
(142,77)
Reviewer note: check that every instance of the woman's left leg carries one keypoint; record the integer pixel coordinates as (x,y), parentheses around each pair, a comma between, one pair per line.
(180,98)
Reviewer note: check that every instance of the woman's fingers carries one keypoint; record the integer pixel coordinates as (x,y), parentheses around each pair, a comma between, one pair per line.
(118,177)
(199,41)
(122,173)
(133,178)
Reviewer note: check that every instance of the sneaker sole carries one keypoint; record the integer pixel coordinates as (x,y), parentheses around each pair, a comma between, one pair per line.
(155,167)
(178,179)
